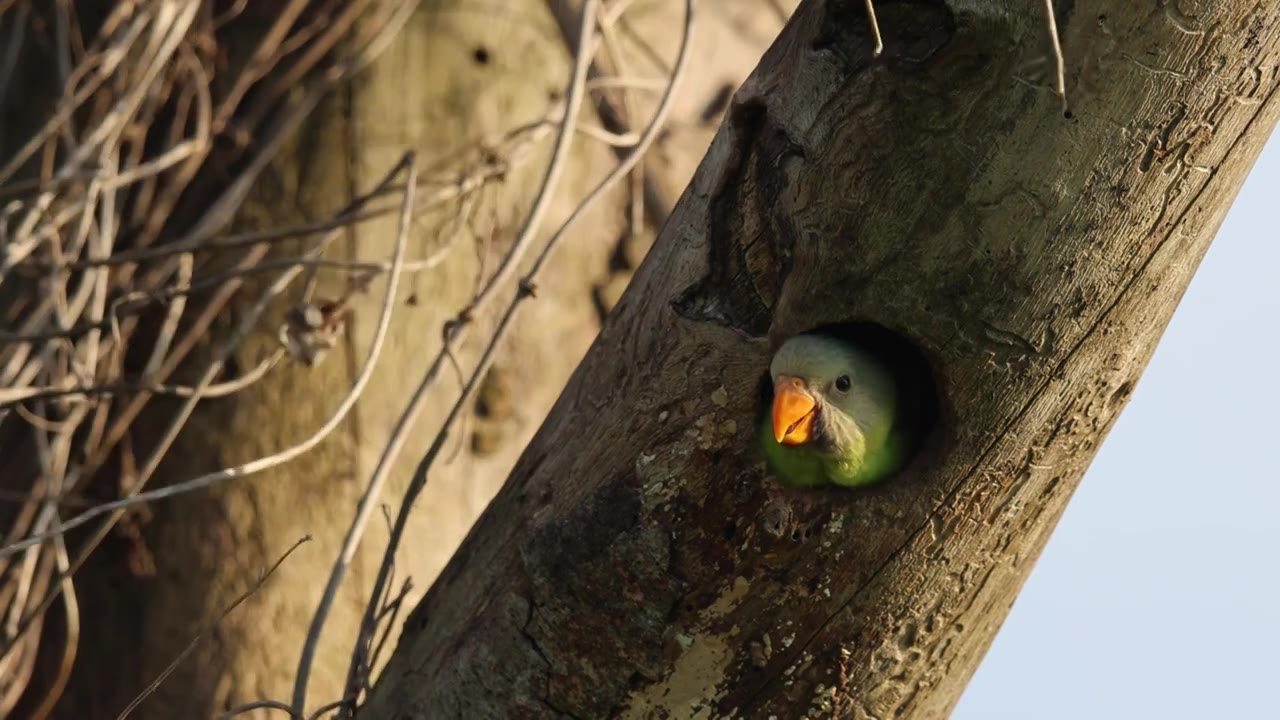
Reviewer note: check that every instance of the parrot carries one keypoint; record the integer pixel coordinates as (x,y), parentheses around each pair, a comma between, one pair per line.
(837,414)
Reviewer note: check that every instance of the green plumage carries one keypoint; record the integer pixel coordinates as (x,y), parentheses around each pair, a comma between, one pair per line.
(860,436)
(807,466)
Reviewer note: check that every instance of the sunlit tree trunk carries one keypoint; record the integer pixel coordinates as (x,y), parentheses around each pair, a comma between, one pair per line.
(639,562)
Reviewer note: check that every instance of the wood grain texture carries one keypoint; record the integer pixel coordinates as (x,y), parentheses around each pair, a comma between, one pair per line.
(639,562)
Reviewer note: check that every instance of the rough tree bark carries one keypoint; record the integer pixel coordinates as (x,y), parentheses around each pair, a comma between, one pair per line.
(640,563)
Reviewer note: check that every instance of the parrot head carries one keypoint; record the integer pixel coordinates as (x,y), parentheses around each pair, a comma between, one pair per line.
(829,395)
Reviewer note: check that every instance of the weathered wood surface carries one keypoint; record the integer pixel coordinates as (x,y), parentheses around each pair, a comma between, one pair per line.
(638,562)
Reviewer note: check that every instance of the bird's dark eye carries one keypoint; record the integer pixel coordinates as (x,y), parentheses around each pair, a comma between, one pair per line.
(843,383)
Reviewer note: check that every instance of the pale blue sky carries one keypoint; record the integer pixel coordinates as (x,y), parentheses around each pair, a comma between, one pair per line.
(1158,596)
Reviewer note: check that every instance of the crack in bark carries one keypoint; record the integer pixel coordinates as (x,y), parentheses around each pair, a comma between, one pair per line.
(537,648)
(750,238)
(593,644)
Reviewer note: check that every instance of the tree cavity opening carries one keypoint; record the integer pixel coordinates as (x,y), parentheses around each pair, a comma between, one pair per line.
(913,374)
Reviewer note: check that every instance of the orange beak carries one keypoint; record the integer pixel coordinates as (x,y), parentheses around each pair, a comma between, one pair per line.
(793,410)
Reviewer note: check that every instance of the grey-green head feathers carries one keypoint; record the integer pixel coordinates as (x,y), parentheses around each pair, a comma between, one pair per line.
(834,415)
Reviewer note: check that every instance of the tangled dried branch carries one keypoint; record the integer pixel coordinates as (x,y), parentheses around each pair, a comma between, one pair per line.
(115,259)
(112,264)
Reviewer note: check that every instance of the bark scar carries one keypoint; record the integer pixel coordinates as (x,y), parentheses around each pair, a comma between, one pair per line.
(751,236)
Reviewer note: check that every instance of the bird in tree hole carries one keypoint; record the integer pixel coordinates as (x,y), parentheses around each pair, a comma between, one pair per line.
(839,414)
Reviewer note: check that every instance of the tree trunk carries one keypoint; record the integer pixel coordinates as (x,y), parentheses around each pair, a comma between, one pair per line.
(640,562)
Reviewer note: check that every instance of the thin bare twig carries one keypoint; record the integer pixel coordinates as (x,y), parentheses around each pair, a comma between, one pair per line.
(875,27)
(260,705)
(617,117)
(1060,62)
(389,613)
(215,390)
(71,606)
(255,587)
(329,707)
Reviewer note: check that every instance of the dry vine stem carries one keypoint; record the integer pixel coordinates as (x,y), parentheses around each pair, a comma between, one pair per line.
(518,140)
(245,326)
(348,549)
